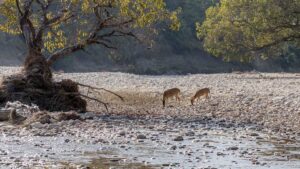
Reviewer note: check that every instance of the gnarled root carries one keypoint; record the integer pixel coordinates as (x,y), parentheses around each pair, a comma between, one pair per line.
(51,96)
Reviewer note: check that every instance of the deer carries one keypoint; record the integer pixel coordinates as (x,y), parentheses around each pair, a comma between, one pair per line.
(174,92)
(202,92)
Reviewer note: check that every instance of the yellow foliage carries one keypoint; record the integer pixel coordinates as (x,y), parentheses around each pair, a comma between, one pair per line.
(142,14)
(244,29)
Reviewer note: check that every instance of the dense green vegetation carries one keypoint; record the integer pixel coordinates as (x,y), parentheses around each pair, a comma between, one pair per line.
(176,51)
(242,30)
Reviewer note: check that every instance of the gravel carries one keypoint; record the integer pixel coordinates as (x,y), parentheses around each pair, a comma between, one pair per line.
(270,100)
(250,121)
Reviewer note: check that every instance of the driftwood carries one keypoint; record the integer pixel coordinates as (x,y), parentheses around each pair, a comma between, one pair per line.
(11,116)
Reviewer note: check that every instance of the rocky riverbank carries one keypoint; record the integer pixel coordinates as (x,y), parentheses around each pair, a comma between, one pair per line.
(269,100)
(251,120)
(114,141)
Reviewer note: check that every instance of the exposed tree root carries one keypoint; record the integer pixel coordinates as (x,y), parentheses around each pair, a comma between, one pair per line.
(97,88)
(55,96)
(51,97)
(35,86)
(90,98)
(97,100)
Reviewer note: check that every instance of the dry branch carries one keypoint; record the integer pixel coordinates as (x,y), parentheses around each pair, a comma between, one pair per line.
(97,100)
(97,88)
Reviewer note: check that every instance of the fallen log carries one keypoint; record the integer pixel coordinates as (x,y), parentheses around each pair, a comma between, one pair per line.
(5,115)
(11,116)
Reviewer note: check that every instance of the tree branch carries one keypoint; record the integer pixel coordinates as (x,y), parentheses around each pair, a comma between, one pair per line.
(112,25)
(64,52)
(19,8)
(94,99)
(276,42)
(27,27)
(48,23)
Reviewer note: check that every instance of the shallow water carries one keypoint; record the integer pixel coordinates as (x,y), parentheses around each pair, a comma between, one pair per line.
(203,147)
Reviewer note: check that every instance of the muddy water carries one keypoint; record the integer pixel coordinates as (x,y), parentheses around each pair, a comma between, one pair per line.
(129,144)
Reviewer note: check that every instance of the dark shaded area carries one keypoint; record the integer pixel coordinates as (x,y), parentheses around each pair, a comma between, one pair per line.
(34,85)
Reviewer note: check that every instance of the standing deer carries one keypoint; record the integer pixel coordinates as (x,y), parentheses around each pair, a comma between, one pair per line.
(174,92)
(202,92)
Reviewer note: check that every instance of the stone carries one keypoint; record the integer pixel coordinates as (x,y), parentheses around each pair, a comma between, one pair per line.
(173,147)
(141,136)
(234,148)
(122,133)
(254,134)
(220,154)
(178,138)
(190,133)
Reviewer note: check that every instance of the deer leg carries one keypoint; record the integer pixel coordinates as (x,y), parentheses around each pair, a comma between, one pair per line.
(208,96)
(195,100)
(177,98)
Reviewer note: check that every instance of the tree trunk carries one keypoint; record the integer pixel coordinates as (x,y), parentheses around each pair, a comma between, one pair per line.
(36,86)
(36,69)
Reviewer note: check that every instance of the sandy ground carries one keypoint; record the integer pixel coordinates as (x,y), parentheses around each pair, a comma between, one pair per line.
(251,120)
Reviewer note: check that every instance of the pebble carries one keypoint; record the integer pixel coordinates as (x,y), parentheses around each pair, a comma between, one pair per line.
(114,160)
(233,148)
(173,147)
(178,138)
(220,154)
(122,133)
(254,134)
(141,136)
(190,133)
(182,147)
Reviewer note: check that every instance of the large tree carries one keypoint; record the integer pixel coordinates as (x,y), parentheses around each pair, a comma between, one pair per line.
(242,30)
(54,29)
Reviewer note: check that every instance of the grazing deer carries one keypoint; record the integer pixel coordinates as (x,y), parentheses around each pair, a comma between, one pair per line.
(171,93)
(199,93)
